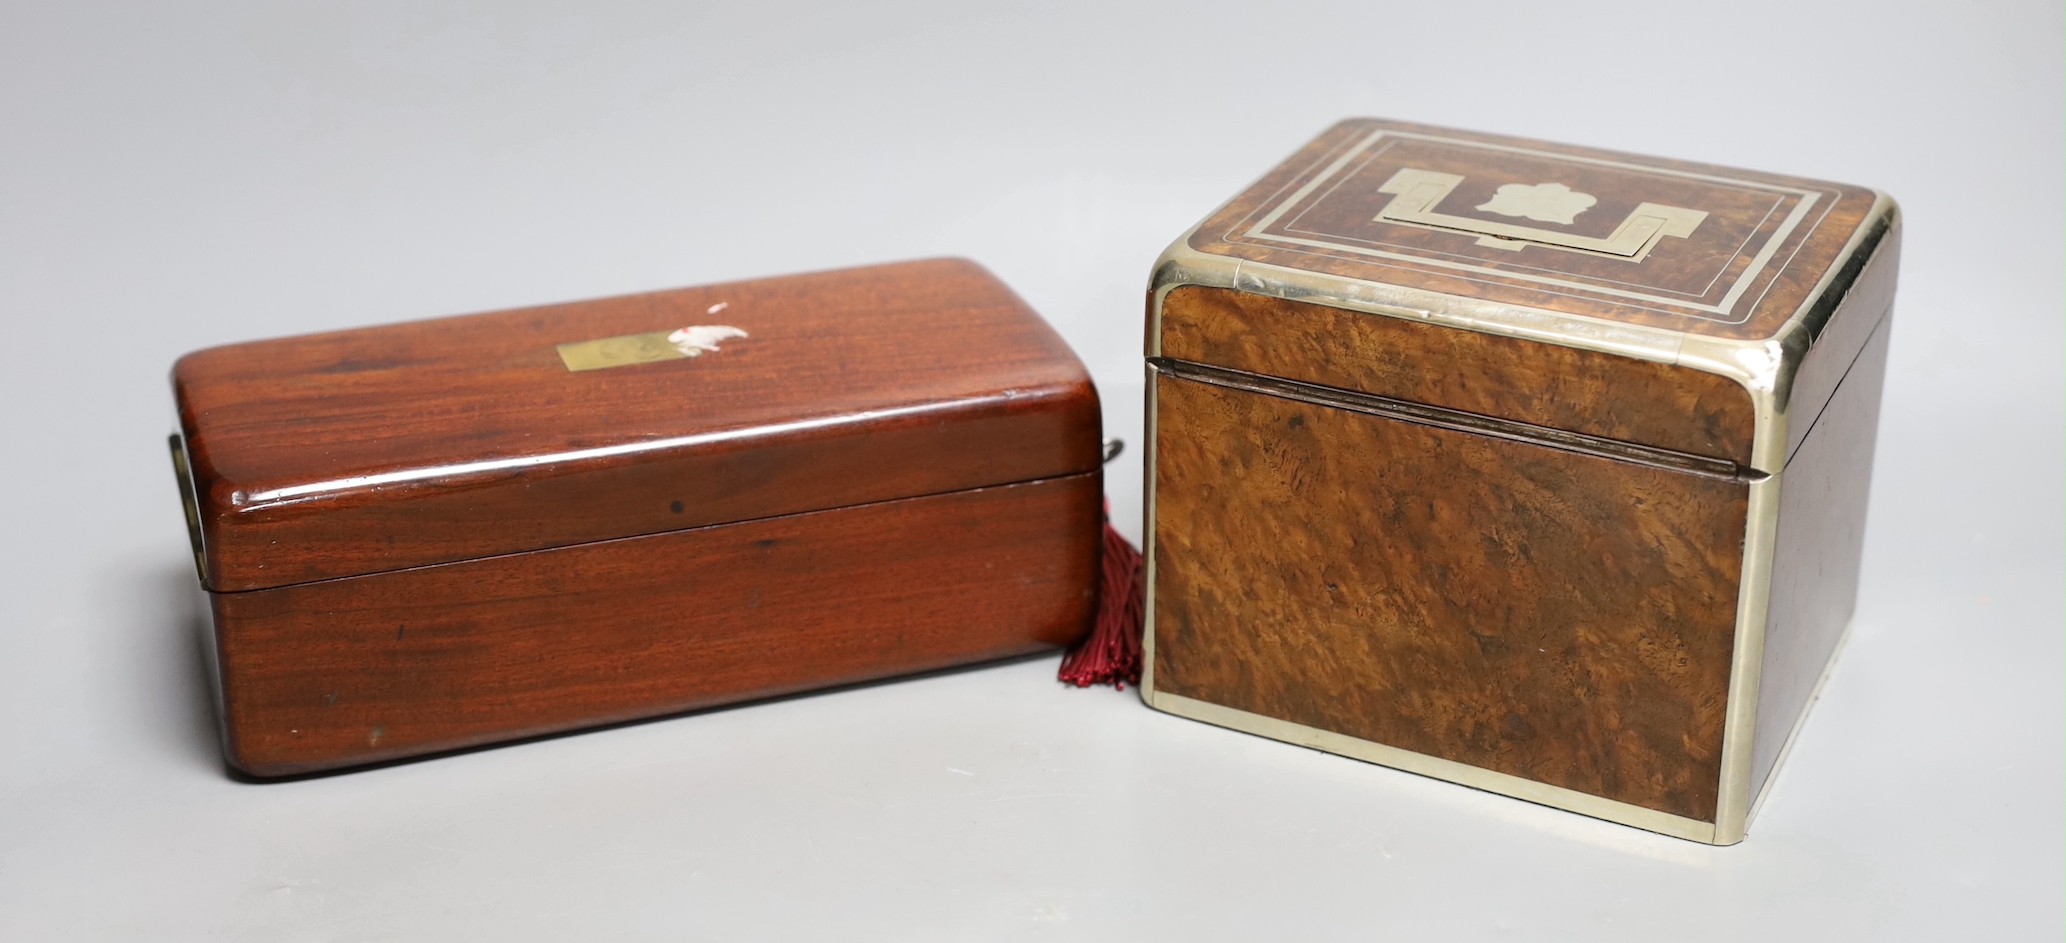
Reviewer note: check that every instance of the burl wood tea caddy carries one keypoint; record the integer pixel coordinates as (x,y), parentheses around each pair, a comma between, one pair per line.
(427,536)
(1537,468)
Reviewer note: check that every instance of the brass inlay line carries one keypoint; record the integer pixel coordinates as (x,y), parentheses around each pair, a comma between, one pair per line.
(1460,421)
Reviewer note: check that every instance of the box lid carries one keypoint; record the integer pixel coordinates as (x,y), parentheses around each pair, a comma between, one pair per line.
(1731,275)
(375,449)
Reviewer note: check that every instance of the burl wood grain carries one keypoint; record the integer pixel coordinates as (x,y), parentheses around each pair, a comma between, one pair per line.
(1556,616)
(1711,282)
(1652,404)
(362,451)
(342,672)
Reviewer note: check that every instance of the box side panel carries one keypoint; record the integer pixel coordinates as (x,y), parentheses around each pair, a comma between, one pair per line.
(1560,617)
(358,670)
(1822,500)
(1654,404)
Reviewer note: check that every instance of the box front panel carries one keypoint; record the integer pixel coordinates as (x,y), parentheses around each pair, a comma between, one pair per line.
(352,671)
(1562,617)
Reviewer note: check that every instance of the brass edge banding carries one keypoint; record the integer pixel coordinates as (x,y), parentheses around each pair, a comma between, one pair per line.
(1768,387)
(1747,659)
(1770,382)
(1880,221)
(1475,777)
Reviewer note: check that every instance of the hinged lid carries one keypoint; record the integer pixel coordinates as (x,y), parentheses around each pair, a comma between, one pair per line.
(1362,262)
(369,450)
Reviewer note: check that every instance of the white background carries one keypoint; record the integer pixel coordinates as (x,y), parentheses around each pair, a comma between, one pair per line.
(175,176)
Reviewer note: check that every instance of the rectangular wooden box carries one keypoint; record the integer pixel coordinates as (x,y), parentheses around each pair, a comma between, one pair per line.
(435,535)
(1537,468)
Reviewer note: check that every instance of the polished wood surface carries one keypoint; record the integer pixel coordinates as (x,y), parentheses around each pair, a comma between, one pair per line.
(362,451)
(1744,270)
(342,672)
(1562,617)
(1658,405)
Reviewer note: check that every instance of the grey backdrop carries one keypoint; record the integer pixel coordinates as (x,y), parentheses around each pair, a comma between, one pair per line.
(174,176)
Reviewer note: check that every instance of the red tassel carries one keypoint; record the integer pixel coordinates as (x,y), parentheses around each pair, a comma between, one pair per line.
(1111,653)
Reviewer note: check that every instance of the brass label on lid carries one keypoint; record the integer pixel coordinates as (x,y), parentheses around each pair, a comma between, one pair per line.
(631,349)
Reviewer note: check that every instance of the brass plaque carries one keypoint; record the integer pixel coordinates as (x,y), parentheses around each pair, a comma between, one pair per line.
(632,349)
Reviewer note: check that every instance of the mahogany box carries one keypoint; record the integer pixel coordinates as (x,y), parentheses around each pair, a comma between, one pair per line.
(436,535)
(1537,468)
